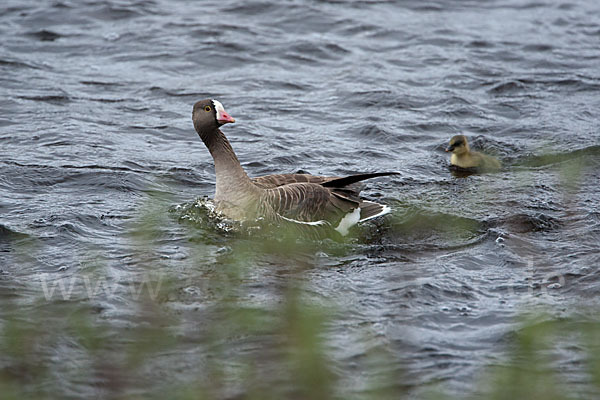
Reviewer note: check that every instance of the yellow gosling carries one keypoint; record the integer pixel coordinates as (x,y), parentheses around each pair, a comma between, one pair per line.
(463,157)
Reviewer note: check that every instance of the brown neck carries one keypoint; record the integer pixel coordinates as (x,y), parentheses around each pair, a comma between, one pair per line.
(231,177)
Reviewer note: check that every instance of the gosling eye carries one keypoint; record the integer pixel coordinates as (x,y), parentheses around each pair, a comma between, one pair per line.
(207,108)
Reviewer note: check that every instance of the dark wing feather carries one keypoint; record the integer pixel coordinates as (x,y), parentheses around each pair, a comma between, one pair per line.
(276,180)
(273,181)
(349,180)
(369,209)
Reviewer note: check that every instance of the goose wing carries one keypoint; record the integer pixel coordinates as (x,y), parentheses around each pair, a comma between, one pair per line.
(276,180)
(331,201)
(310,202)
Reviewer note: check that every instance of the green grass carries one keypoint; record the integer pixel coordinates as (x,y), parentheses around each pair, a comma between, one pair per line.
(55,349)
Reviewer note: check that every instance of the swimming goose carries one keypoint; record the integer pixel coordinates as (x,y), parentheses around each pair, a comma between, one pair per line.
(300,199)
(463,157)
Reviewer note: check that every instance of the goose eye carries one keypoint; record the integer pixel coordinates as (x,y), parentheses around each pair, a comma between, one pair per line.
(207,108)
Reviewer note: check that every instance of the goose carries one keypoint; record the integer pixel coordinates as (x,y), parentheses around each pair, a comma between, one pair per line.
(463,157)
(303,200)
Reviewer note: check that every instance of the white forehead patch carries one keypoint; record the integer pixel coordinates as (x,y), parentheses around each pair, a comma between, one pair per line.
(218,107)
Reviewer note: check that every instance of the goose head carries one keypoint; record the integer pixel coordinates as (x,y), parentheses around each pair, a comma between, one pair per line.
(209,115)
(458,145)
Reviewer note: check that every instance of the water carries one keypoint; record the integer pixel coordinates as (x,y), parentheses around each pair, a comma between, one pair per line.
(96,141)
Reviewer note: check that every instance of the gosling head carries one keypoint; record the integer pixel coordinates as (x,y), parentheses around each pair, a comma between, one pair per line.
(208,115)
(458,145)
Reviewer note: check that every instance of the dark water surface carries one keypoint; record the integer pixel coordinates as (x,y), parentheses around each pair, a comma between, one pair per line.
(96,141)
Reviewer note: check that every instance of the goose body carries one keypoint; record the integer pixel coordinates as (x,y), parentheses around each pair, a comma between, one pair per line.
(303,200)
(463,157)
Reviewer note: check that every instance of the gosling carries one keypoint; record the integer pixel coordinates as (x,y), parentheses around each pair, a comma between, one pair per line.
(463,157)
